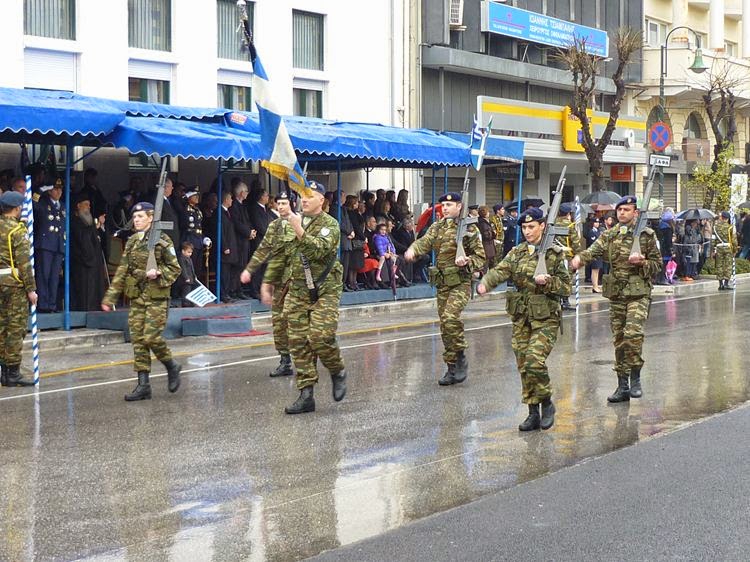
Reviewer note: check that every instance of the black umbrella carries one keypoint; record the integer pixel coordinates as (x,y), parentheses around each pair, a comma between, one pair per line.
(602,198)
(695,214)
(745,205)
(525,204)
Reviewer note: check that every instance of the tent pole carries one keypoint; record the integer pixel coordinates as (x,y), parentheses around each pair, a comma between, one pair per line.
(432,204)
(338,198)
(445,180)
(217,273)
(66,297)
(520,196)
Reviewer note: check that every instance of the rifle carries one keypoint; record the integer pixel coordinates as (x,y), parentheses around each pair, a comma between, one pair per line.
(463,221)
(643,216)
(158,225)
(550,230)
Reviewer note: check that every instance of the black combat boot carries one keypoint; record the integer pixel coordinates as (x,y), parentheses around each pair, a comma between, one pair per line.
(548,414)
(448,378)
(304,403)
(285,367)
(635,383)
(727,286)
(461,370)
(532,421)
(142,391)
(622,394)
(173,374)
(2,374)
(721,284)
(565,303)
(13,376)
(338,382)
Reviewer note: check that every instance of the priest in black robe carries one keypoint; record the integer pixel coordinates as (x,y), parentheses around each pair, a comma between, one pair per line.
(87,266)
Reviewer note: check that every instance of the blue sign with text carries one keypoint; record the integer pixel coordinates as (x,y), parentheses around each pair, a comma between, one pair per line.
(538,28)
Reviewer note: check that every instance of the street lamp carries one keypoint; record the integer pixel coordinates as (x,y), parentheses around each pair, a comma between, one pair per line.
(698,67)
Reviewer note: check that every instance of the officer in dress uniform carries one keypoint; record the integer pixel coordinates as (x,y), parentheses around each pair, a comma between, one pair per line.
(148,291)
(628,287)
(193,230)
(452,277)
(17,288)
(49,244)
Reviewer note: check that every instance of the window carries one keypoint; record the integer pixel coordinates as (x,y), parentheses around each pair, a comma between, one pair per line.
(152,91)
(701,40)
(656,32)
(50,18)
(234,97)
(730,48)
(308,40)
(230,40)
(308,103)
(150,24)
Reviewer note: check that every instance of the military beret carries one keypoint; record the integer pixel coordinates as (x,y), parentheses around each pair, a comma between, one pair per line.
(283,196)
(317,186)
(11,199)
(497,207)
(473,207)
(566,208)
(452,196)
(627,200)
(142,206)
(725,214)
(531,214)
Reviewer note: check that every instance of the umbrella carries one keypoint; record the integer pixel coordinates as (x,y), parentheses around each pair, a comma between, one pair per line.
(602,198)
(602,207)
(745,205)
(693,214)
(525,204)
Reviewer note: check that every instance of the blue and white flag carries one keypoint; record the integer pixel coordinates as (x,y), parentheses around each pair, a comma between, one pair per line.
(201,296)
(281,161)
(478,141)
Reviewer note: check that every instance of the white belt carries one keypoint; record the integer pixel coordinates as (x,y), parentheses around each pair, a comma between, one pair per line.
(723,245)
(8,271)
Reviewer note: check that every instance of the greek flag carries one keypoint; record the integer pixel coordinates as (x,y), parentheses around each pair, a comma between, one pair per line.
(201,296)
(478,142)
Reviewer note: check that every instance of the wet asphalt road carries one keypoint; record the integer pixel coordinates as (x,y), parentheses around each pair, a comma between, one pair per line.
(218,472)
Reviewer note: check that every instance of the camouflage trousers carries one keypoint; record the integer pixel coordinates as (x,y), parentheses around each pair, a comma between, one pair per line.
(312,333)
(14,321)
(451,302)
(723,263)
(146,321)
(532,342)
(279,322)
(627,320)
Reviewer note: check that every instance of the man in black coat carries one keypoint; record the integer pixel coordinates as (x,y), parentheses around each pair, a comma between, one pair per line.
(87,259)
(245,234)
(403,237)
(229,248)
(260,218)
(92,192)
(170,214)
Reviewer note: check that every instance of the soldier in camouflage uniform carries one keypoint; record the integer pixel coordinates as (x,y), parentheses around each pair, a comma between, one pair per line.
(726,247)
(17,288)
(496,220)
(452,277)
(628,287)
(312,301)
(570,243)
(534,308)
(273,248)
(148,292)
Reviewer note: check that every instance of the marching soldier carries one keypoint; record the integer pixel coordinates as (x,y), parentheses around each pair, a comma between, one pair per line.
(273,249)
(496,220)
(452,276)
(148,292)
(312,302)
(726,247)
(49,244)
(193,226)
(17,288)
(628,287)
(534,308)
(570,243)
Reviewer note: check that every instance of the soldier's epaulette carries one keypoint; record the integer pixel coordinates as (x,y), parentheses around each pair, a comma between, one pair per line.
(36,197)
(648,230)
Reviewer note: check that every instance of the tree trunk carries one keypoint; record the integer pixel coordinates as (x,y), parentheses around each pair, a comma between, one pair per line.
(596,168)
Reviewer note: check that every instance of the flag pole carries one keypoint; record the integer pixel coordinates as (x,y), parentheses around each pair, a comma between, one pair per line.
(28,214)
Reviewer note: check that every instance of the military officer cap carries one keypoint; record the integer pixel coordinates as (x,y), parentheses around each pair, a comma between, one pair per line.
(283,196)
(497,207)
(142,206)
(725,214)
(452,196)
(473,207)
(191,193)
(317,186)
(46,188)
(566,208)
(11,199)
(627,200)
(531,214)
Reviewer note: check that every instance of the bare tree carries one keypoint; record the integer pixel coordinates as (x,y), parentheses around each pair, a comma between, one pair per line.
(719,103)
(585,68)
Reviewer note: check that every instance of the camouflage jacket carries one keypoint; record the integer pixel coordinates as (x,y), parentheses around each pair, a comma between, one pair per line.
(519,266)
(614,246)
(274,249)
(441,237)
(130,278)
(571,242)
(320,246)
(14,255)
(724,235)
(497,226)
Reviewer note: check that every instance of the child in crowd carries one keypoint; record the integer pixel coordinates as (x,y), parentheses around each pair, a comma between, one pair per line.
(187,281)
(385,249)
